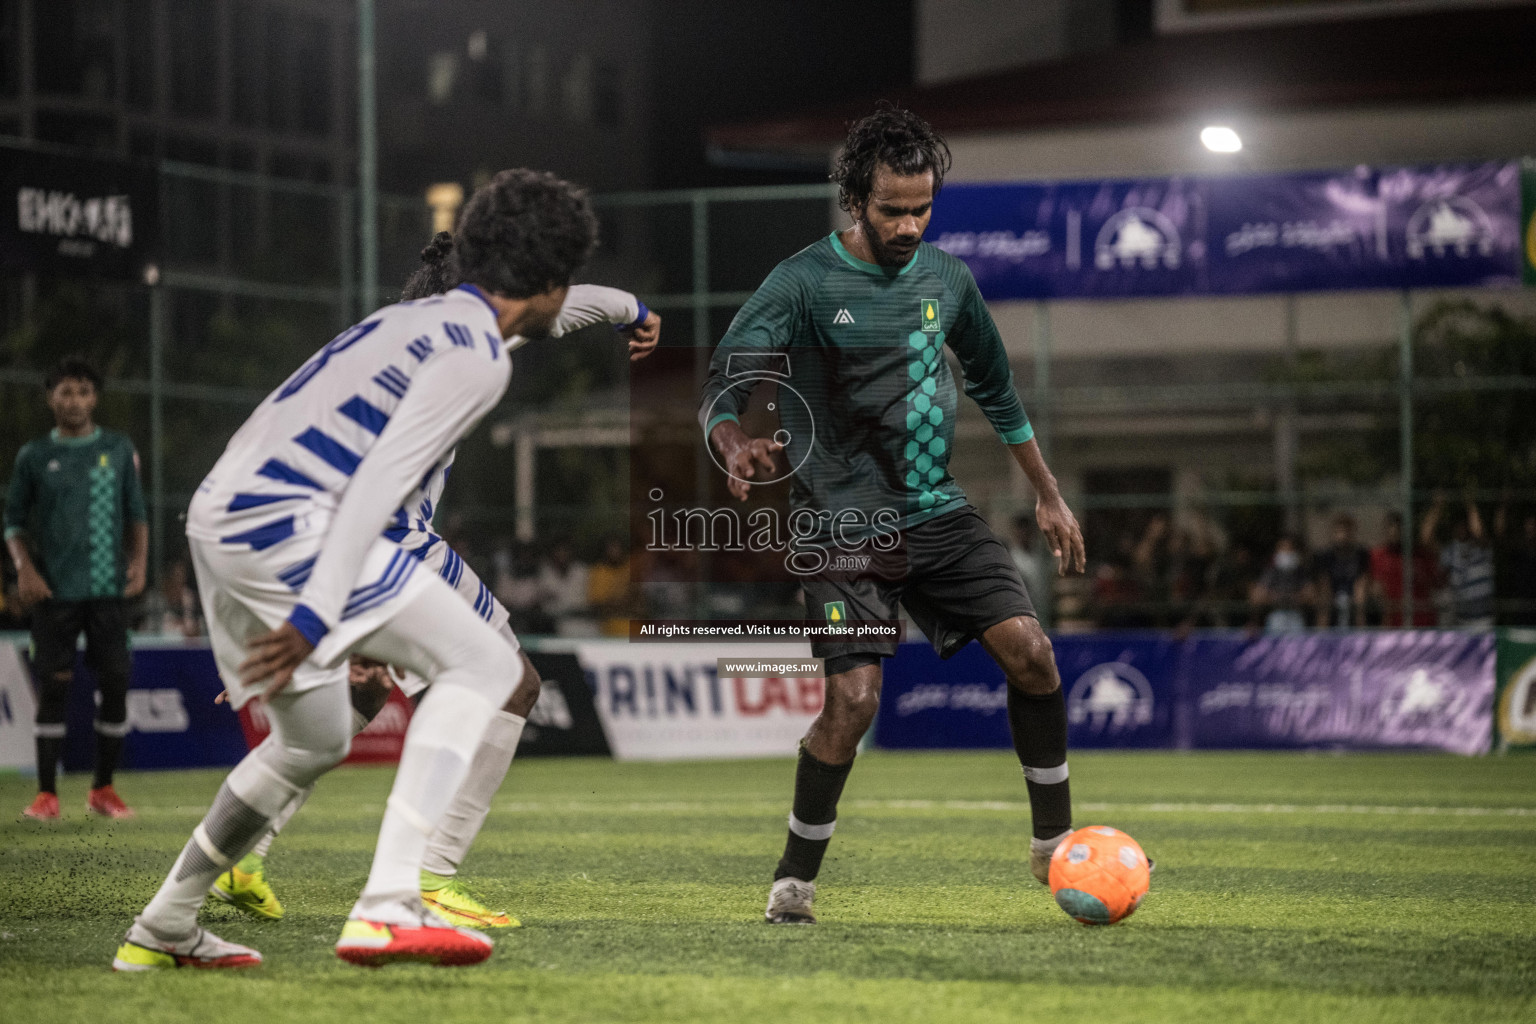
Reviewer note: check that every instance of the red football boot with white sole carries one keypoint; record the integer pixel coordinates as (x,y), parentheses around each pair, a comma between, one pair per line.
(428,939)
(105,802)
(44,808)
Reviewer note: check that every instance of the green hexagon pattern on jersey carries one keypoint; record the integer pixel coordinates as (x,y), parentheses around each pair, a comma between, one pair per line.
(924,448)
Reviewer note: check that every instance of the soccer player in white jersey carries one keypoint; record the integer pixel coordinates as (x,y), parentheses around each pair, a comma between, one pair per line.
(294,575)
(245,885)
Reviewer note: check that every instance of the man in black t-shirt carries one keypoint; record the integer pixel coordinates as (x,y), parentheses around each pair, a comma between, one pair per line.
(1340,572)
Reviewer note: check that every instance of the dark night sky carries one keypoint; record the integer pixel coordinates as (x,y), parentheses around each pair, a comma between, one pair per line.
(729,61)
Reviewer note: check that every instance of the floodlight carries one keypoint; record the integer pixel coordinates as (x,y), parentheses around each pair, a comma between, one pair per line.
(1218,138)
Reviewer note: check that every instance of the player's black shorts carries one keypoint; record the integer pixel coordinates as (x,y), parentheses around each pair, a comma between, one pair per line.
(951,574)
(57,625)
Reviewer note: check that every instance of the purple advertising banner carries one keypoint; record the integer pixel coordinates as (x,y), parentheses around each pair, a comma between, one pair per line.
(1395,227)
(1120,690)
(1417,689)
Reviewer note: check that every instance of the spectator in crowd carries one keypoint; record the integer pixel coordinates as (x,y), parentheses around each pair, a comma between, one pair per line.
(563,586)
(609,591)
(1229,590)
(1340,573)
(76,528)
(668,583)
(1191,557)
(1150,564)
(1034,564)
(173,608)
(1515,564)
(517,586)
(1117,595)
(1385,590)
(1283,591)
(1467,562)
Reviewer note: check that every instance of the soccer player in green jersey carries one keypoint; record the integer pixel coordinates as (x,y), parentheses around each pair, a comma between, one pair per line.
(861,317)
(76,529)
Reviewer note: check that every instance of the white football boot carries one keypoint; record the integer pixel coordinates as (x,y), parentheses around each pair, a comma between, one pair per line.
(789,902)
(143,950)
(1040,851)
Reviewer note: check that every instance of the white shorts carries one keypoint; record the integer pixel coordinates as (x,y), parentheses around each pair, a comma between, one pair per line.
(246,592)
(435,555)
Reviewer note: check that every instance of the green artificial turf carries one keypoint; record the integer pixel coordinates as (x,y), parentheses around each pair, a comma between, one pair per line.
(1288,888)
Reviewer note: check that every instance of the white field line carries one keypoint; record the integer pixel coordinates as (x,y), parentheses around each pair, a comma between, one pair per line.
(1011,806)
(753,807)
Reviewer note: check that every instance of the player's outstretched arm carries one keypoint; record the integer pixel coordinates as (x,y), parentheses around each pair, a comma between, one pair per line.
(588,304)
(743,456)
(1057,523)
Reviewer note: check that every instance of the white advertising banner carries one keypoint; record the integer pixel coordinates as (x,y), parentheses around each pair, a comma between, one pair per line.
(663,702)
(18,711)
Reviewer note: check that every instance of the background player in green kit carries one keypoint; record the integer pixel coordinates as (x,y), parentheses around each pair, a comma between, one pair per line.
(862,316)
(76,528)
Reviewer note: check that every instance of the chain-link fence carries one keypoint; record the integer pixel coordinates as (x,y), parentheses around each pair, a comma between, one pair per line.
(1200,441)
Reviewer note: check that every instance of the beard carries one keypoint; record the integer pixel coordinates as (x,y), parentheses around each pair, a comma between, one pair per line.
(884,255)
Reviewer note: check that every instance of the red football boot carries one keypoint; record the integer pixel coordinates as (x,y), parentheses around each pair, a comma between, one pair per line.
(431,941)
(107,803)
(44,808)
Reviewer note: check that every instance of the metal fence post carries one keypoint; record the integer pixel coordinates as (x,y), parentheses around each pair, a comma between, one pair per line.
(700,206)
(157,452)
(1042,417)
(1405,449)
(367,163)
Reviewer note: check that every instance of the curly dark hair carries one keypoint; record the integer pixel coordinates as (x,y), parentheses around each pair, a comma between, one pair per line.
(525,233)
(897,138)
(439,270)
(72,368)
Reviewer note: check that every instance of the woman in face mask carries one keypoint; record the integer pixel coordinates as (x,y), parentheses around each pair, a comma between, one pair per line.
(1283,591)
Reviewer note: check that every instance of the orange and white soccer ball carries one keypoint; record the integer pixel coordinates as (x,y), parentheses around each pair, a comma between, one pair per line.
(1099,875)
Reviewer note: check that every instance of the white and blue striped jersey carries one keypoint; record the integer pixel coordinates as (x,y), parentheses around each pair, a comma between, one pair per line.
(368,424)
(411,526)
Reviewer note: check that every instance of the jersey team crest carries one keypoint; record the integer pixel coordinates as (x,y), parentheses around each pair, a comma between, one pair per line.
(836,612)
(930,313)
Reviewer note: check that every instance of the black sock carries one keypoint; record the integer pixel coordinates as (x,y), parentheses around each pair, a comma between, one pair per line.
(1039,727)
(109,750)
(48,750)
(817,789)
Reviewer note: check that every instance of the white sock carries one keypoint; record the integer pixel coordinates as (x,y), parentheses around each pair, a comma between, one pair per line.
(439,745)
(466,814)
(241,810)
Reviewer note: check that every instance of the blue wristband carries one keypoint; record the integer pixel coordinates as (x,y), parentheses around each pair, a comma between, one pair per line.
(308,624)
(640,318)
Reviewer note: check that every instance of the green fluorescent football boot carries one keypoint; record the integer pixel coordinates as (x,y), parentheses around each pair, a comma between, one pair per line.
(245,887)
(458,905)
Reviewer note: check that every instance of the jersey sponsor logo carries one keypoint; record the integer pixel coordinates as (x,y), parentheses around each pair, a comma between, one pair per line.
(1110,698)
(930,315)
(843,317)
(836,611)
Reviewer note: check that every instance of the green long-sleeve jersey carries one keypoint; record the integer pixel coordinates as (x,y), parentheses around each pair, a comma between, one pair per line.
(865,396)
(74,498)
